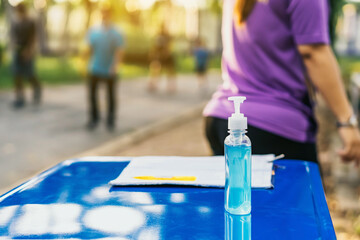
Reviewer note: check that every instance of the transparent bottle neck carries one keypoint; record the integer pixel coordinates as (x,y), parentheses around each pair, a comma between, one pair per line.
(237,132)
(237,135)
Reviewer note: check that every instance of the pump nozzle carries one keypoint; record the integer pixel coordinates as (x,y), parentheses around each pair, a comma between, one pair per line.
(237,119)
(237,101)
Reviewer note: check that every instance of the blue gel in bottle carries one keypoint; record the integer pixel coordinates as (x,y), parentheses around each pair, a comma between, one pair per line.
(237,227)
(237,164)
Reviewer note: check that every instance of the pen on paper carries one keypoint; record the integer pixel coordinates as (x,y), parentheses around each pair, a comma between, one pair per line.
(277,157)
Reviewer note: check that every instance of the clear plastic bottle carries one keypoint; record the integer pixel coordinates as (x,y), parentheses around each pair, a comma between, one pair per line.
(237,164)
(237,227)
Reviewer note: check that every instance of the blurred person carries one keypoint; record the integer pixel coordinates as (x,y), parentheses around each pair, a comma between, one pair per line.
(271,48)
(161,58)
(201,55)
(105,52)
(23,40)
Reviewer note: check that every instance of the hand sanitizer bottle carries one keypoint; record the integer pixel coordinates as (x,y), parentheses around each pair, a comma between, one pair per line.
(237,163)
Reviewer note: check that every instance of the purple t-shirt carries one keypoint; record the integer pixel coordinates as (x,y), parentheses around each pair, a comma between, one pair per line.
(261,61)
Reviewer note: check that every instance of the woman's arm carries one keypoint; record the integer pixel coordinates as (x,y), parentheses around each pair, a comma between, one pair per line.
(325,74)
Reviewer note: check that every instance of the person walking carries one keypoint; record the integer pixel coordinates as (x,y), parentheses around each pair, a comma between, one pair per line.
(23,41)
(105,50)
(161,58)
(201,56)
(273,51)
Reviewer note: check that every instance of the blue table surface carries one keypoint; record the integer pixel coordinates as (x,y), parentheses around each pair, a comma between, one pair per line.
(74,200)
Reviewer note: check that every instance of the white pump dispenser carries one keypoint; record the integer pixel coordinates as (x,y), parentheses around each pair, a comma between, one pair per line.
(237,150)
(237,119)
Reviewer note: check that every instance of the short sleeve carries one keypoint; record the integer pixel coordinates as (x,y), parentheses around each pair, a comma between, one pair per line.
(309,21)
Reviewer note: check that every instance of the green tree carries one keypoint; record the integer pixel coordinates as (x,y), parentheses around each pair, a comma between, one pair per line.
(335,6)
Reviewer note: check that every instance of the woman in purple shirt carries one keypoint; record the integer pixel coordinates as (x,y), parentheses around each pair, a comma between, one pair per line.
(274,50)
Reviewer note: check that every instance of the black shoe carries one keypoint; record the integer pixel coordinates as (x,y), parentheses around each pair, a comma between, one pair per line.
(91,125)
(17,104)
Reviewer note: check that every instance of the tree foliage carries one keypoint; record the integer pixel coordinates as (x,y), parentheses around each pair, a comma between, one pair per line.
(335,6)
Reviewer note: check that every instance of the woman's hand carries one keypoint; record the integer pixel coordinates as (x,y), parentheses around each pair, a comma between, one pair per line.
(351,140)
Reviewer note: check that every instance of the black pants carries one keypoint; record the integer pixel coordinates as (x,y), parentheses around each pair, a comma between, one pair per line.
(93,97)
(262,142)
(19,88)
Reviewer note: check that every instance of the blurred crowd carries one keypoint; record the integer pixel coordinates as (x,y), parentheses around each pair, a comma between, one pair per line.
(102,54)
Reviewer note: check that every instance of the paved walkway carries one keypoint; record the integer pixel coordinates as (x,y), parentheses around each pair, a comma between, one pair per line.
(35,138)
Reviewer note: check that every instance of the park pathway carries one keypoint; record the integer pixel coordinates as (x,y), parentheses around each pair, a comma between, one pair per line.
(35,138)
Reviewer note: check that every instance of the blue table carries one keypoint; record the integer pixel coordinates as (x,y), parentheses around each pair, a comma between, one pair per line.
(74,200)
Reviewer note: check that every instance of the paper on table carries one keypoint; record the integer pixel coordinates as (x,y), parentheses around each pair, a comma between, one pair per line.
(261,172)
(191,171)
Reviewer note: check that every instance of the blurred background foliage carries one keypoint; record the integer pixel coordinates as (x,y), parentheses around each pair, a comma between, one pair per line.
(344,30)
(63,26)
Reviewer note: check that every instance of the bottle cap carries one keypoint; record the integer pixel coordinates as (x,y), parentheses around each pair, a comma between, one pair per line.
(237,119)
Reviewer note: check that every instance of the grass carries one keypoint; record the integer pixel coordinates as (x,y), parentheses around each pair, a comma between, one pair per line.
(185,64)
(53,71)
(348,66)
(59,71)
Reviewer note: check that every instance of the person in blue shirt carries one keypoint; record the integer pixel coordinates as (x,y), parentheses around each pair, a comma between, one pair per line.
(105,51)
(201,55)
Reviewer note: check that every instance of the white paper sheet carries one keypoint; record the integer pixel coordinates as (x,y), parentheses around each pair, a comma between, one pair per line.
(203,171)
